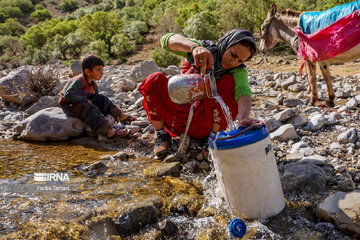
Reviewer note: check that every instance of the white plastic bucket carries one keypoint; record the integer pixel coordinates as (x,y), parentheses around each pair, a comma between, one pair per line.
(247,173)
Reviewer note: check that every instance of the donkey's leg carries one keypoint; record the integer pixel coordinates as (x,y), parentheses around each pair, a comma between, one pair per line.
(324,67)
(312,72)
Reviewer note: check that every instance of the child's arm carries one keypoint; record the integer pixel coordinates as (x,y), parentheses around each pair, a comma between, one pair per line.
(72,92)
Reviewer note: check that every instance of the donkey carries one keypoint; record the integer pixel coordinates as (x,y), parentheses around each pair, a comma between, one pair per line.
(281,26)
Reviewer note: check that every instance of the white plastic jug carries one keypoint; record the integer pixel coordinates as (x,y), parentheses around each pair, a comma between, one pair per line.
(247,172)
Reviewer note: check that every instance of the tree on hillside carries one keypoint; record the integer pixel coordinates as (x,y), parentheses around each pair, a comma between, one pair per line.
(101,26)
(135,30)
(202,26)
(11,27)
(121,45)
(41,15)
(34,37)
(75,43)
(68,5)
(60,46)
(11,45)
(99,48)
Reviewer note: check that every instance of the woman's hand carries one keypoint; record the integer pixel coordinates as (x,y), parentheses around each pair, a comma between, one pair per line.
(203,59)
(249,121)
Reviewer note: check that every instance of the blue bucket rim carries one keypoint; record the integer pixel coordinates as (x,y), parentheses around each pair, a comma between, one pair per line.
(249,137)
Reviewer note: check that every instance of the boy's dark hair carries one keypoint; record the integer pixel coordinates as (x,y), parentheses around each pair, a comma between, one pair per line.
(90,61)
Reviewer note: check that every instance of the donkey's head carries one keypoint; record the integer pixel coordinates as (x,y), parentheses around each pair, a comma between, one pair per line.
(269,34)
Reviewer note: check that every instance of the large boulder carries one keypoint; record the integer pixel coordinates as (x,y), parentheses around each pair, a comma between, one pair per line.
(303,177)
(343,210)
(14,88)
(43,102)
(142,70)
(51,124)
(75,67)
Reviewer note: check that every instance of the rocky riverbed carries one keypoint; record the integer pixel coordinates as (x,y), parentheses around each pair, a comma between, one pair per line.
(120,191)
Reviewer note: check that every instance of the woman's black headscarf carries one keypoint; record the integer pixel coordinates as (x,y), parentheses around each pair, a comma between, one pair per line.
(218,49)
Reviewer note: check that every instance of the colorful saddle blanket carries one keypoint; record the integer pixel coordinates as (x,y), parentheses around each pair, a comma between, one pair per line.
(310,22)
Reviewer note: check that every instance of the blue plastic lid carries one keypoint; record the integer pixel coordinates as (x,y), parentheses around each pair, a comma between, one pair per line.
(237,228)
(251,136)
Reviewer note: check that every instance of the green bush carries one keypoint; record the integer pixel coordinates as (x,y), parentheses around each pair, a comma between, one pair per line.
(98,48)
(34,37)
(11,46)
(41,15)
(13,12)
(75,43)
(37,56)
(101,26)
(135,30)
(121,45)
(39,7)
(11,27)
(68,5)
(60,47)
(202,26)
(164,58)
(186,12)
(24,5)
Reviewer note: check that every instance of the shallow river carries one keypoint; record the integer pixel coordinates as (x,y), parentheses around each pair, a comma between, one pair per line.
(42,214)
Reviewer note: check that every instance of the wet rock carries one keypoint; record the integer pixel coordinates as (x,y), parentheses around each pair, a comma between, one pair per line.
(51,124)
(293,102)
(164,169)
(138,216)
(305,235)
(272,124)
(349,136)
(190,166)
(42,103)
(95,169)
(203,166)
(286,114)
(168,228)
(102,228)
(284,133)
(308,177)
(184,203)
(315,159)
(142,70)
(343,210)
(14,88)
(75,67)
(177,157)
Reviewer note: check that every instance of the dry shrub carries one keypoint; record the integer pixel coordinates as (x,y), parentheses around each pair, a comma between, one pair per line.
(43,82)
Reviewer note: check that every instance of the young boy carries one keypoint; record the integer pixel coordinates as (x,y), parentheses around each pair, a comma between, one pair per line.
(80,98)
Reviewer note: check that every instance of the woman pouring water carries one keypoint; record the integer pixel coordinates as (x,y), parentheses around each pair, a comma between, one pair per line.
(226,58)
